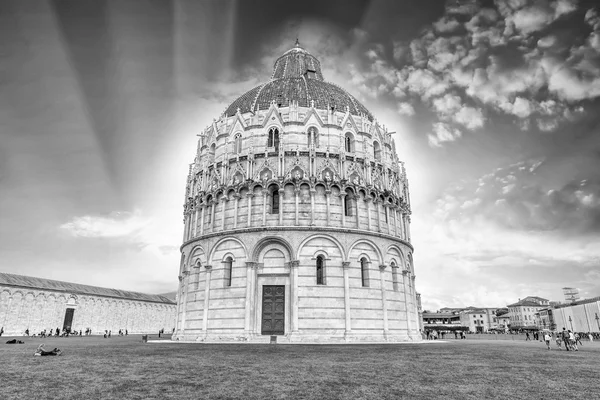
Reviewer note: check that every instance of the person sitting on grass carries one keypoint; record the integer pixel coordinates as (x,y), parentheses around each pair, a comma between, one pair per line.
(14,341)
(42,352)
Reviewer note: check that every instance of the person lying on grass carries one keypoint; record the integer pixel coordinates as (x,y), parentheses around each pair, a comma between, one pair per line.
(42,352)
(14,341)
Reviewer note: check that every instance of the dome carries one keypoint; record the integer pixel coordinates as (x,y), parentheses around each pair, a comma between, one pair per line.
(297,78)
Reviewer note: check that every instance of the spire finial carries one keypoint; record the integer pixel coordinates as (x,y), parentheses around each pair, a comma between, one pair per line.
(297,42)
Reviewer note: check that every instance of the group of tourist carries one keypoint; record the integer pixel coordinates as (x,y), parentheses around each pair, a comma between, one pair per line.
(568,338)
(434,335)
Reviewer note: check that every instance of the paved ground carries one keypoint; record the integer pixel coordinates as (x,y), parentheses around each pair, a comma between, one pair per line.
(126,368)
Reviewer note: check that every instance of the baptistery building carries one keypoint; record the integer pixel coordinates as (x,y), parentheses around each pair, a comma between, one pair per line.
(297,220)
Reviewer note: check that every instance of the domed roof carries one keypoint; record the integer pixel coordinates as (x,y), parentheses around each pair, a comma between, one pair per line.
(297,77)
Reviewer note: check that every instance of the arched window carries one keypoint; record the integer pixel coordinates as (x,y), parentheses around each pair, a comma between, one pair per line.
(348,203)
(320,270)
(211,153)
(273,140)
(313,136)
(349,142)
(228,266)
(274,199)
(364,272)
(377,151)
(237,144)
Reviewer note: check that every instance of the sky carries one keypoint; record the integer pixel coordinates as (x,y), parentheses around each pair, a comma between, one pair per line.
(494,104)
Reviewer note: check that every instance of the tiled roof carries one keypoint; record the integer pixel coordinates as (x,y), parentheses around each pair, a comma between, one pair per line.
(526,304)
(303,90)
(297,77)
(76,288)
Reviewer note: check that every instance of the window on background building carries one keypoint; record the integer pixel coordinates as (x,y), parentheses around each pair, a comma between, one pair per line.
(364,272)
(377,151)
(274,196)
(348,203)
(273,140)
(228,264)
(313,136)
(349,142)
(320,270)
(237,144)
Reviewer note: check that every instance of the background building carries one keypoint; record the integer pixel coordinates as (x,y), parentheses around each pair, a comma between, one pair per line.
(580,316)
(522,314)
(297,219)
(37,304)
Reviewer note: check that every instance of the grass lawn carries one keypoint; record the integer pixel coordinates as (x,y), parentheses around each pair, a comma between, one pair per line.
(126,368)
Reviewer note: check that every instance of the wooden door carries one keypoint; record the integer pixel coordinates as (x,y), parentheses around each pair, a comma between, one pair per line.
(68,319)
(273,310)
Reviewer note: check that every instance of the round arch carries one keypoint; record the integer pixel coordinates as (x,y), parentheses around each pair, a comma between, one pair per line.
(370,243)
(197,253)
(216,246)
(264,242)
(316,236)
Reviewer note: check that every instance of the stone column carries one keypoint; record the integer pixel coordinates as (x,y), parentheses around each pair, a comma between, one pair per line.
(313,192)
(281,196)
(357,196)
(377,202)
(343,201)
(395,221)
(202,212)
(387,218)
(212,215)
(195,227)
(184,293)
(249,196)
(367,199)
(297,192)
(206,300)
(384,301)
(293,265)
(235,209)
(406,304)
(265,194)
(248,317)
(347,315)
(327,194)
(225,199)
(414,298)
(177,309)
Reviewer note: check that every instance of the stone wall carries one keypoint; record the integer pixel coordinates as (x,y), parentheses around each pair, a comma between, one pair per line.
(339,309)
(36,310)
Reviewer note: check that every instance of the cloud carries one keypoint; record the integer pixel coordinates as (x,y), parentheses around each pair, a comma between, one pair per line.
(116,224)
(446,24)
(512,198)
(129,229)
(471,118)
(442,133)
(481,57)
(406,109)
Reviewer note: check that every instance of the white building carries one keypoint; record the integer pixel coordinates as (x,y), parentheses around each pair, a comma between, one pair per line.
(523,313)
(580,316)
(297,218)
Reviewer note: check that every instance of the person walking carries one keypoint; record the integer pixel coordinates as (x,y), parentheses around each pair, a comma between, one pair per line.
(572,341)
(578,339)
(565,338)
(527,336)
(547,339)
(1,331)
(591,337)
